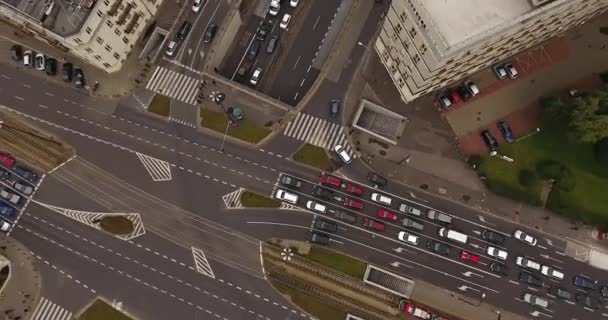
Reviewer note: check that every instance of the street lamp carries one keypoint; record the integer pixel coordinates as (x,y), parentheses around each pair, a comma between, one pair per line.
(228,124)
(529,134)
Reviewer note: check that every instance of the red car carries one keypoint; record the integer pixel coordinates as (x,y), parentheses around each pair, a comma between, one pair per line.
(417,312)
(353,189)
(6,160)
(385,214)
(350,203)
(467,256)
(331,181)
(455,97)
(373,224)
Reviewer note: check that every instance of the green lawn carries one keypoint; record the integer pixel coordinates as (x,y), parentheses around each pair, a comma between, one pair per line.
(338,261)
(254,200)
(318,309)
(100,310)
(586,201)
(245,130)
(314,156)
(161,105)
(117,225)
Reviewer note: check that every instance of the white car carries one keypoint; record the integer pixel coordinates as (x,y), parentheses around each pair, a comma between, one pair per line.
(342,154)
(315,206)
(198,4)
(39,61)
(294,3)
(511,71)
(500,71)
(497,253)
(380,198)
(171,48)
(527,263)
(552,273)
(285,21)
(408,237)
(275,7)
(535,300)
(4,226)
(255,76)
(520,235)
(286,196)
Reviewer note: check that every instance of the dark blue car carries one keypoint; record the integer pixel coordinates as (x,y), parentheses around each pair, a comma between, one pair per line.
(6,210)
(26,173)
(506,131)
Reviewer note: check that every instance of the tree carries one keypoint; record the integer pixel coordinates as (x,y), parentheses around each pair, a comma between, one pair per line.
(554,109)
(587,121)
(601,152)
(527,177)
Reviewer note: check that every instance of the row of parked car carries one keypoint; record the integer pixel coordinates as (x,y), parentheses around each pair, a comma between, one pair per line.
(41,62)
(491,141)
(18,181)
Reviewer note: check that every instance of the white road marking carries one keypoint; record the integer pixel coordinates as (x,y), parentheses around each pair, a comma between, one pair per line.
(159,170)
(201,263)
(48,310)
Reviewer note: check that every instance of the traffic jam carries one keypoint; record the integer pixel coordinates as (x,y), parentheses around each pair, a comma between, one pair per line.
(341,204)
(17,185)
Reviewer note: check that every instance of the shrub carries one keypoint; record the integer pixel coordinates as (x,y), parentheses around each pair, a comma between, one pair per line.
(527,177)
(566,181)
(601,152)
(509,191)
(474,161)
(549,169)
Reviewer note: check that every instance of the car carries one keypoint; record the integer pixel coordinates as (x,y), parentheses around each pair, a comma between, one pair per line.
(471,87)
(497,253)
(455,97)
(28,58)
(66,72)
(10,196)
(500,71)
(329,180)
(444,101)
(291,182)
(381,199)
(26,173)
(5,209)
(22,187)
(79,80)
(6,160)
(417,312)
(386,214)
(197,5)
(4,174)
(50,66)
(535,300)
(350,203)
(530,279)
(319,238)
(373,224)
(326,225)
(412,224)
(584,282)
(438,247)
(408,237)
(4,226)
(587,300)
(527,263)
(263,30)
(499,268)
(171,48)
(274,8)
(294,3)
(511,71)
(255,76)
(522,236)
(322,193)
(210,33)
(464,93)
(467,256)
(378,180)
(342,154)
(561,293)
(316,206)
(439,217)
(286,196)
(604,291)
(272,44)
(334,110)
(552,273)
(285,21)
(254,49)
(184,30)
(39,61)
(506,131)
(493,237)
(354,189)
(489,139)
(345,216)
(16,52)
(411,210)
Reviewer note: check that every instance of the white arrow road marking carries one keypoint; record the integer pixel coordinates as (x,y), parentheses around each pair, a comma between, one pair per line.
(477,232)
(549,241)
(469,274)
(465,288)
(542,247)
(398,264)
(402,249)
(202,265)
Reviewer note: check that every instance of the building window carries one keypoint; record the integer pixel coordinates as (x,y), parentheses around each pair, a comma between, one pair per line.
(97,57)
(77,40)
(99,40)
(116,55)
(403,16)
(106,2)
(413,32)
(423,48)
(125,40)
(109,23)
(416,58)
(88,50)
(398,28)
(107,65)
(108,48)
(117,32)
(89,30)
(99,13)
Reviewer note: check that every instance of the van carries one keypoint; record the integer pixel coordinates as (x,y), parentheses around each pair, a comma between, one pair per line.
(411,210)
(286,196)
(453,235)
(28,57)
(438,216)
(527,263)
(382,199)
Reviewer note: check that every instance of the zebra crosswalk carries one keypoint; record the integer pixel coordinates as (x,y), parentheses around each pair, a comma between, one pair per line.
(48,310)
(174,84)
(317,131)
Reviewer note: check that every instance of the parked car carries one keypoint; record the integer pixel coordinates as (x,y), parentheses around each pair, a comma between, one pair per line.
(24,188)
(4,226)
(467,256)
(444,100)
(326,225)
(493,236)
(264,30)
(334,110)
(535,300)
(329,180)
(530,279)
(527,263)
(438,247)
(10,196)
(322,193)
(584,282)
(378,180)
(561,293)
(255,76)
(386,214)
(197,5)
(183,31)
(464,93)
(522,236)
(172,48)
(412,224)
(489,139)
(319,238)
(587,300)
(272,44)
(381,199)
(291,182)
(285,21)
(50,66)
(408,237)
(6,160)
(471,87)
(511,71)
(79,80)
(350,203)
(354,189)
(506,131)
(345,216)
(497,253)
(66,72)
(210,33)
(28,58)
(254,49)
(316,206)
(284,195)
(439,217)
(39,61)
(274,8)
(417,311)
(500,71)
(26,173)
(342,154)
(552,272)
(410,210)
(16,52)
(499,268)
(373,224)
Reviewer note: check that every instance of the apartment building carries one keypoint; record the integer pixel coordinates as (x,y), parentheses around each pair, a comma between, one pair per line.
(101,32)
(428,44)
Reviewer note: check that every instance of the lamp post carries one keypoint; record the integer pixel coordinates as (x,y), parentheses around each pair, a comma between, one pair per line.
(529,134)
(367,51)
(228,124)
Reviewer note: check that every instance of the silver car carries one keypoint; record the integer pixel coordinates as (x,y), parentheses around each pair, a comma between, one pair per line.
(24,188)
(10,196)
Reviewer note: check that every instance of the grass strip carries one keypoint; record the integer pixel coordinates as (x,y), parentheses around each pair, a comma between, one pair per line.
(161,105)
(313,156)
(338,261)
(117,225)
(100,310)
(254,200)
(245,130)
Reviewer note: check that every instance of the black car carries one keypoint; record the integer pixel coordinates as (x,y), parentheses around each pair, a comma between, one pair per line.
(264,30)
(334,110)
(16,53)
(66,72)
(378,180)
(183,31)
(587,300)
(78,76)
(319,238)
(499,268)
(489,139)
(506,131)
(530,279)
(464,93)
(604,291)
(272,44)
(50,66)
(253,50)
(345,216)
(561,293)
(325,225)
(322,193)
(26,173)
(291,182)
(493,237)
(210,33)
(438,247)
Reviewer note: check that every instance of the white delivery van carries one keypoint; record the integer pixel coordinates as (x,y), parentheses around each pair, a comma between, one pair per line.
(453,235)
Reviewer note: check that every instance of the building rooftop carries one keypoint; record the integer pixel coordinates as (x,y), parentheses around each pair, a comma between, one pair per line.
(460,20)
(64,17)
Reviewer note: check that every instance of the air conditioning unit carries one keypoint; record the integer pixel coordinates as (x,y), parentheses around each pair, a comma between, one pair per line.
(538,3)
